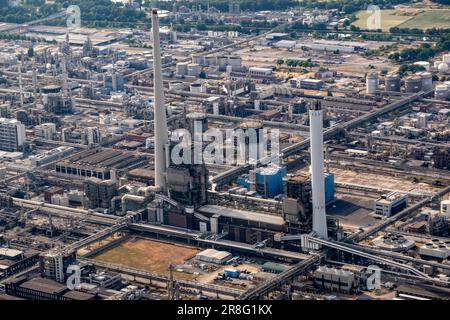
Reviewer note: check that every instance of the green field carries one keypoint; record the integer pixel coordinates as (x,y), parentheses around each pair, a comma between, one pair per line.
(395,18)
(429,19)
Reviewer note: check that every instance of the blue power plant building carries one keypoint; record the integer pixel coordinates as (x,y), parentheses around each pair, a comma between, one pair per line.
(269,182)
(329,187)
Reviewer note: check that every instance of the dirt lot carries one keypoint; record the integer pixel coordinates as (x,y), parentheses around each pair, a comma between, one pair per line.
(149,255)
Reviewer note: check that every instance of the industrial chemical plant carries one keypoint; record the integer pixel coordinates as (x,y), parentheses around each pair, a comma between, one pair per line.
(153,163)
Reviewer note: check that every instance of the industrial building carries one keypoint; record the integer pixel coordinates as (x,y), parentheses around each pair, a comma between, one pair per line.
(100,192)
(334,279)
(98,163)
(214,256)
(43,289)
(390,204)
(12,135)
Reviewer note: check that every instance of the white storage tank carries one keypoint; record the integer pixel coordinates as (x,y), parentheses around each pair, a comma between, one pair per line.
(446,58)
(176,86)
(196,87)
(235,62)
(372,83)
(443,67)
(424,64)
(445,208)
(441,92)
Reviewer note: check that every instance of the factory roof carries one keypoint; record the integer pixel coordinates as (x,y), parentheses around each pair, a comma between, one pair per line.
(102,158)
(10,253)
(215,254)
(44,285)
(78,295)
(241,214)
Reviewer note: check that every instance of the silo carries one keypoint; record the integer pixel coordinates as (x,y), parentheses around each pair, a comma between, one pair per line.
(441,92)
(194,69)
(182,68)
(211,61)
(427,80)
(198,59)
(176,86)
(196,87)
(446,58)
(222,61)
(392,83)
(443,67)
(235,62)
(197,123)
(413,84)
(372,83)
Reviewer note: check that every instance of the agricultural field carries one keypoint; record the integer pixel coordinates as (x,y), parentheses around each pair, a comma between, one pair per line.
(429,19)
(389,18)
(421,19)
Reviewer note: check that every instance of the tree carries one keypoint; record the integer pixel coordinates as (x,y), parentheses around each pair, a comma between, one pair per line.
(280,62)
(30,52)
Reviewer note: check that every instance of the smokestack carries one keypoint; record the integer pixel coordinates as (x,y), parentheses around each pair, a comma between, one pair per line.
(65,76)
(318,178)
(161,136)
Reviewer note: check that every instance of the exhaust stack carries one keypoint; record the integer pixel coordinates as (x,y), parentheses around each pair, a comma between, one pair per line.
(160,121)
(318,178)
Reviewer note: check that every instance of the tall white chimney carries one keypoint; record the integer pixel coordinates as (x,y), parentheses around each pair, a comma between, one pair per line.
(318,178)
(160,131)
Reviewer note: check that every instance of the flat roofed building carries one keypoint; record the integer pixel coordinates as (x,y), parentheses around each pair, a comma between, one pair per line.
(214,256)
(12,134)
(11,254)
(390,204)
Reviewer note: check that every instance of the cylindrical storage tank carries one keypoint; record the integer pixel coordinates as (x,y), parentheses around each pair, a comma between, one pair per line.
(51,88)
(196,87)
(424,64)
(443,67)
(176,85)
(446,58)
(427,80)
(211,61)
(413,84)
(392,83)
(197,121)
(182,68)
(235,62)
(194,69)
(222,61)
(445,208)
(372,83)
(447,83)
(441,92)
(149,142)
(198,59)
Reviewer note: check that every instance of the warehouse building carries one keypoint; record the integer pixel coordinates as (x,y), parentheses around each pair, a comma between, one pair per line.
(99,163)
(214,256)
